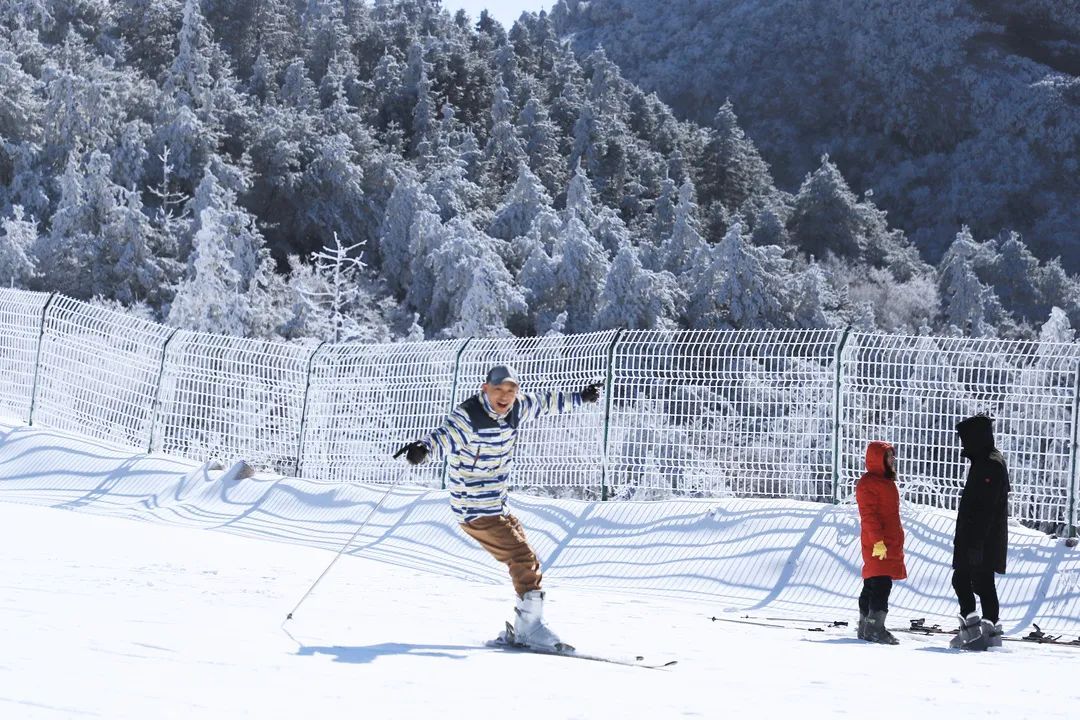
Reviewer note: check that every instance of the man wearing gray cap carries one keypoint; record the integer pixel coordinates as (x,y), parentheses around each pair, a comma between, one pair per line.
(477,440)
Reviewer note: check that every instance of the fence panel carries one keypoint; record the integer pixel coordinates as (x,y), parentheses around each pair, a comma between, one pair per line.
(562,453)
(745,413)
(912,391)
(367,400)
(98,372)
(231,398)
(20,331)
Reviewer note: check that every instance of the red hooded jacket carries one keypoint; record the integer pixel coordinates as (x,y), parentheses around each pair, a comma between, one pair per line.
(879,512)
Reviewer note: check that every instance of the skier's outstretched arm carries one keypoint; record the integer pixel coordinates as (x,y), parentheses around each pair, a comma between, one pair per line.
(447,439)
(557,402)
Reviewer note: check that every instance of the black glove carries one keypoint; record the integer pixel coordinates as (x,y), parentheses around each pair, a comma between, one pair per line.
(591,392)
(414,452)
(975,557)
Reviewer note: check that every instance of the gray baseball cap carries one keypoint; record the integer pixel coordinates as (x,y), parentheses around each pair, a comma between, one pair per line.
(502,373)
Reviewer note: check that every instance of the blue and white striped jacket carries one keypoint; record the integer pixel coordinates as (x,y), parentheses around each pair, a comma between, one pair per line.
(478,446)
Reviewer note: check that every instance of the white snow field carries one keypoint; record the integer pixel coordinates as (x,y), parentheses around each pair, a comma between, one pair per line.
(144,587)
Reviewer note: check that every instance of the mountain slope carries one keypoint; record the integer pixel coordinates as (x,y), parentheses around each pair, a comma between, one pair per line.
(953,111)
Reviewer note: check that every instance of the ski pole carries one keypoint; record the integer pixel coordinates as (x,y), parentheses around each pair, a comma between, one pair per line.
(348,543)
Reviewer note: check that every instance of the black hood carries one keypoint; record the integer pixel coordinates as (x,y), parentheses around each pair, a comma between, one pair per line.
(977,436)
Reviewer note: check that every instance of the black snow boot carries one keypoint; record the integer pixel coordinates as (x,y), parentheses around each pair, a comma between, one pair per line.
(875,629)
(861,632)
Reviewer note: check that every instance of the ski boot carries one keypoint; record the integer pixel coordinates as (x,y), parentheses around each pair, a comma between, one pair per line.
(876,631)
(993,633)
(861,632)
(529,626)
(971,635)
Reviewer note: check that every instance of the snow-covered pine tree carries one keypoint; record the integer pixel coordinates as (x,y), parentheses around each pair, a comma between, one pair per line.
(239,232)
(815,301)
(681,249)
(638,299)
(540,140)
(753,288)
(211,298)
(663,212)
(504,153)
(827,218)
(472,290)
(582,267)
(333,183)
(99,242)
(970,306)
(579,198)
(407,200)
(449,185)
(542,295)
(732,170)
(521,206)
(427,234)
(16,249)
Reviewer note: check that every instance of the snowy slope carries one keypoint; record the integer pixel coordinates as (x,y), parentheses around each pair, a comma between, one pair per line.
(104,617)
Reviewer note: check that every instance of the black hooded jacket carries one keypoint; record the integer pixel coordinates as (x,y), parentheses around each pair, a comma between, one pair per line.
(982,530)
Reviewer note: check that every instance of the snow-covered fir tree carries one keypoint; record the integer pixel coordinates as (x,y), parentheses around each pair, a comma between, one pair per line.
(322,117)
(970,306)
(638,299)
(581,268)
(526,200)
(211,298)
(16,249)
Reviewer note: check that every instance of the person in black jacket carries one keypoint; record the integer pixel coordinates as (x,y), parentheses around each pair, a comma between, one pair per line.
(982,535)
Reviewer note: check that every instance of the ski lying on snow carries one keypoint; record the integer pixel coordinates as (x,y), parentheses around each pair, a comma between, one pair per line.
(1038,635)
(501,643)
(917,626)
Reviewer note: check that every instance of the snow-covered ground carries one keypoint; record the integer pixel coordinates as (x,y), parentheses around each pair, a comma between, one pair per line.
(146,587)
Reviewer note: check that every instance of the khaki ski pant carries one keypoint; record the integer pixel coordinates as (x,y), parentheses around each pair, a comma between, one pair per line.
(504,538)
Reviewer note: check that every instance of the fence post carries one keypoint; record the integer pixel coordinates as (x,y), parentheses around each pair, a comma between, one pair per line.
(453,395)
(1074,477)
(609,382)
(304,408)
(837,409)
(157,391)
(37,359)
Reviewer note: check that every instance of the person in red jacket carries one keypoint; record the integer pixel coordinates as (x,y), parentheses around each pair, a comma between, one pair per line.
(882,541)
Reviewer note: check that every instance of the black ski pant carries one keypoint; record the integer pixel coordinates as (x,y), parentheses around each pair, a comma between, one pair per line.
(968,584)
(875,594)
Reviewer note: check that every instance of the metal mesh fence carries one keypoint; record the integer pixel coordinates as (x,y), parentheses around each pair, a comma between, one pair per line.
(564,452)
(98,372)
(912,391)
(230,398)
(365,401)
(745,413)
(20,331)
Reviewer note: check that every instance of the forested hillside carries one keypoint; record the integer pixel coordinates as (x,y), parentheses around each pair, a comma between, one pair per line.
(953,111)
(357,171)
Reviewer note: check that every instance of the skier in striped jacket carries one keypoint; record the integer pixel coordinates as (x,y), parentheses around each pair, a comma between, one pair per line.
(477,440)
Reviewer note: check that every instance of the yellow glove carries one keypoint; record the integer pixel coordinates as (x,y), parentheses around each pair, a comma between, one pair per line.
(879,550)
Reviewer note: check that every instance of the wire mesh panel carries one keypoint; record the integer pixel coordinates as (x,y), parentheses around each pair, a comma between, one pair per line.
(232,398)
(99,372)
(564,452)
(20,330)
(745,413)
(912,391)
(365,401)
